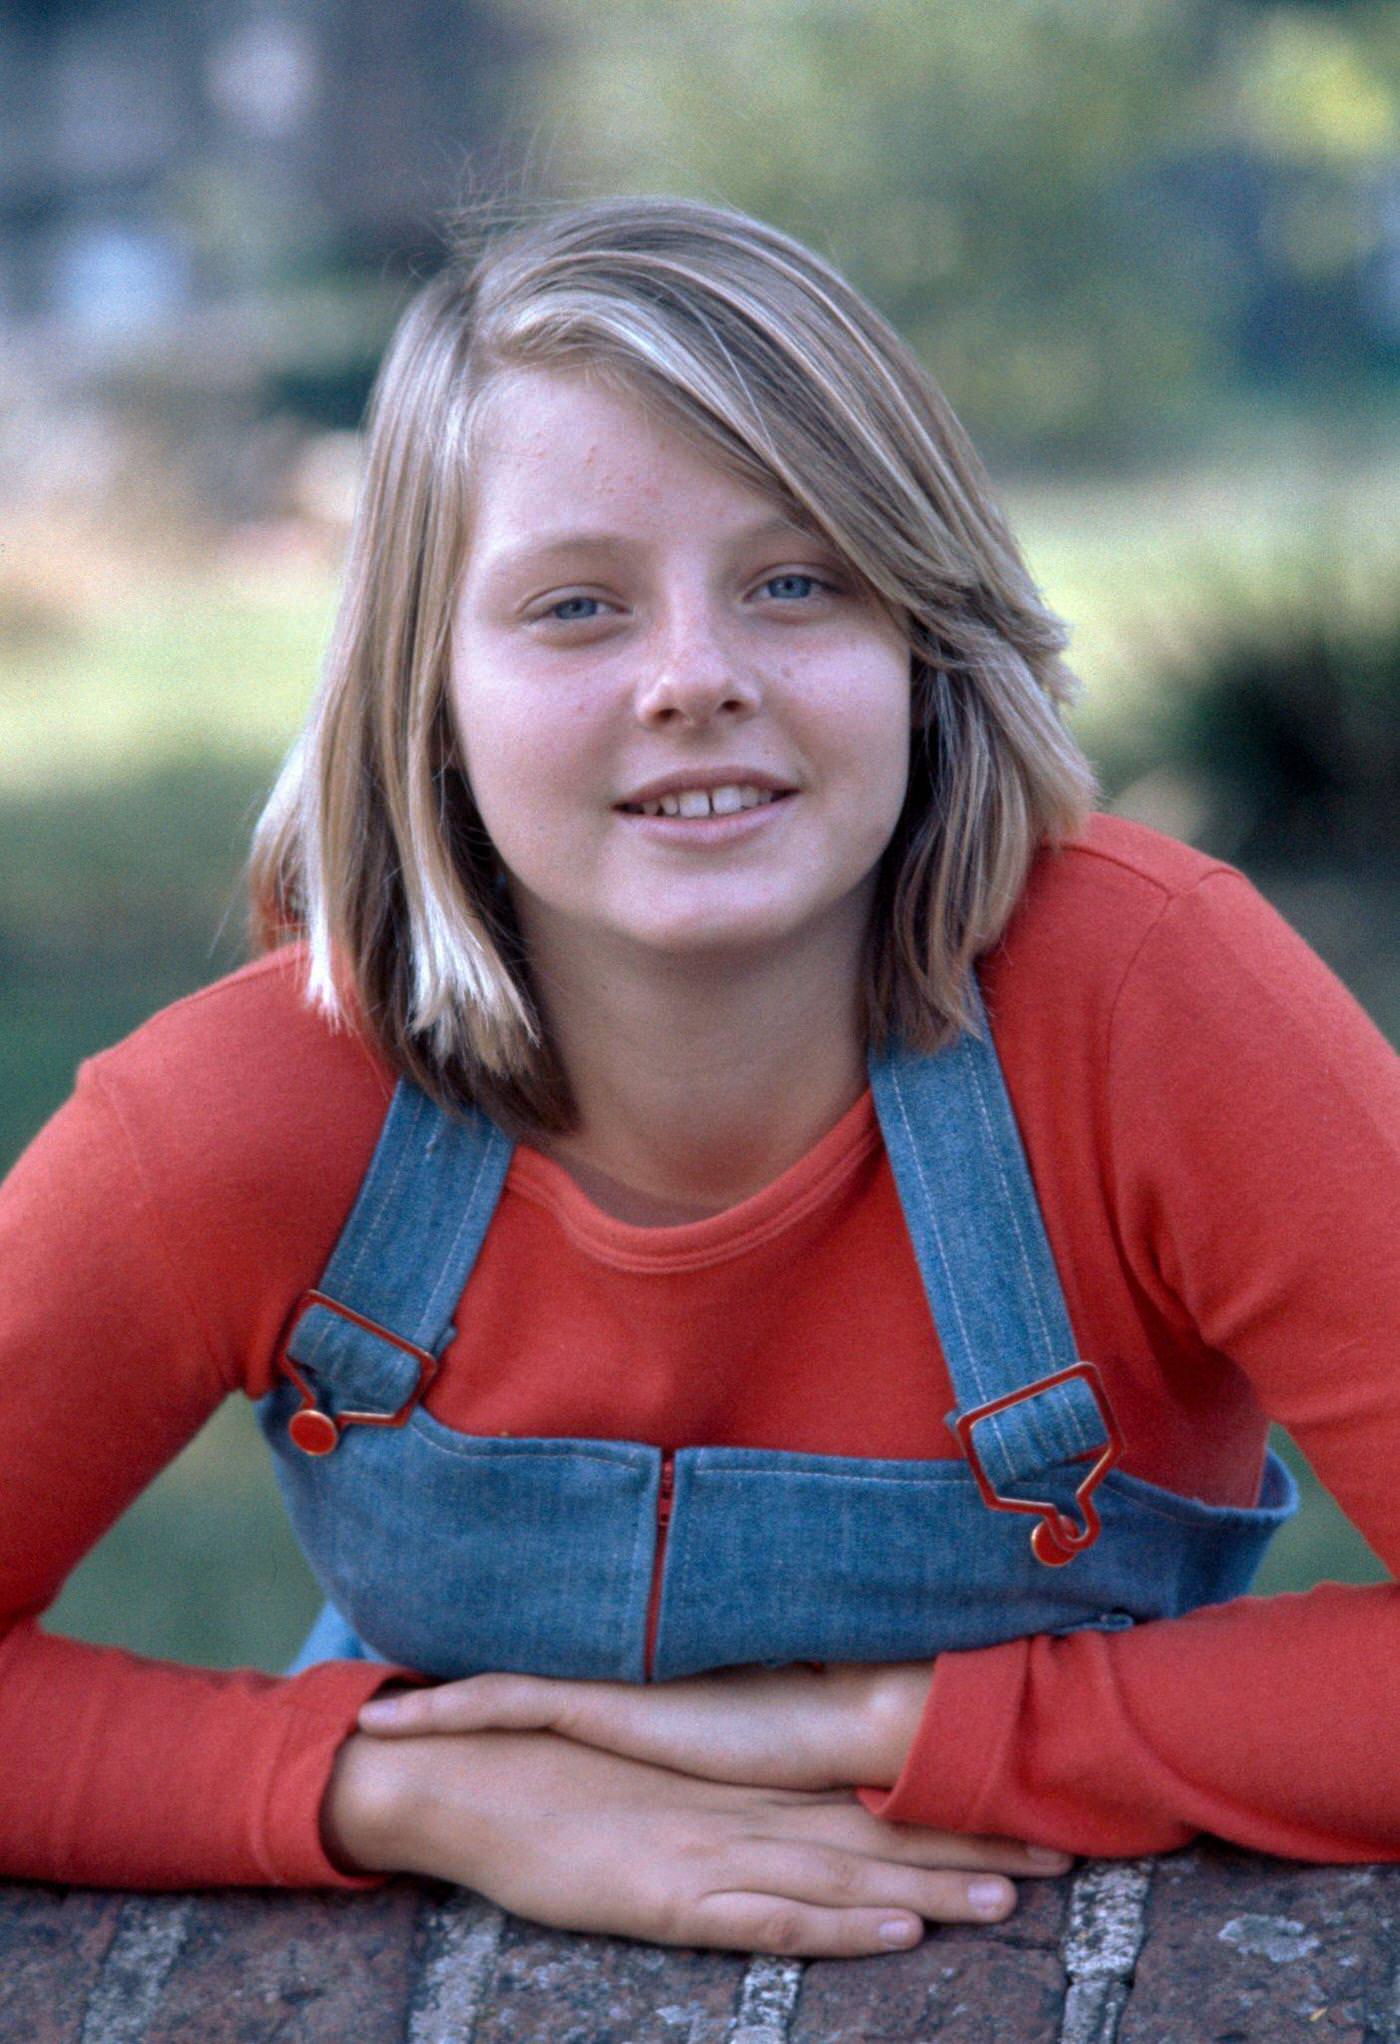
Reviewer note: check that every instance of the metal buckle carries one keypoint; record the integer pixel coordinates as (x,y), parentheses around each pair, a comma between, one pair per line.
(317,1432)
(1056,1539)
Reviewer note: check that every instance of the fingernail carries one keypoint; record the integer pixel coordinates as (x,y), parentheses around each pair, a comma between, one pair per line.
(898,1931)
(988,1897)
(1046,1856)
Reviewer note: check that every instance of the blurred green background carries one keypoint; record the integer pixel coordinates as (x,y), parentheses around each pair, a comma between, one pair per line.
(1151,250)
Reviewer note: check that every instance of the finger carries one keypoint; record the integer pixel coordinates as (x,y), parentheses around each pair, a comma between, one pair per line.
(744,1922)
(978,1855)
(847,1823)
(478,1703)
(829,1877)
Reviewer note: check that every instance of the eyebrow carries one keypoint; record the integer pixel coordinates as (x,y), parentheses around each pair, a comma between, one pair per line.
(585,539)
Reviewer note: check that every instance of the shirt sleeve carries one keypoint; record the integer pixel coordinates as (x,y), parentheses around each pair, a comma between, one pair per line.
(123,1771)
(1255,1172)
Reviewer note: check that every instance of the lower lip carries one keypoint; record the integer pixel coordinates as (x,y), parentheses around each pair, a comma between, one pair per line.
(705,830)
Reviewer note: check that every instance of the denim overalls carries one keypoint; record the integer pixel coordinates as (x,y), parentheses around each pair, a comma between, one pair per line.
(453,1553)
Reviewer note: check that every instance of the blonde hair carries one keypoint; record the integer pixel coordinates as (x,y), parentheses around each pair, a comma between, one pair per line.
(370,846)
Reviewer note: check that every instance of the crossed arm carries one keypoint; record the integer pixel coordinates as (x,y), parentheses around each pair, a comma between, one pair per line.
(800,1727)
(715,1810)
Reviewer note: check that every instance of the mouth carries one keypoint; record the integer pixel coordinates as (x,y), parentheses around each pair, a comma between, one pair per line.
(675,820)
(694,804)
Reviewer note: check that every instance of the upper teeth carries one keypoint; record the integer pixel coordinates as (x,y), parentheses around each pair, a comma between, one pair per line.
(707,801)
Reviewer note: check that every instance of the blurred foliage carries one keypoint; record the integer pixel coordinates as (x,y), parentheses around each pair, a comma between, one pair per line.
(1278,742)
(116,668)
(114,900)
(1296,747)
(1088,215)
(1100,222)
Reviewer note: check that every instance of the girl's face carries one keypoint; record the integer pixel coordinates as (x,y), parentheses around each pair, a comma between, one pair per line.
(634,624)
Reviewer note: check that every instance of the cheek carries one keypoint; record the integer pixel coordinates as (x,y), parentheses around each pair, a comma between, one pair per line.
(527,768)
(869,724)
(487,722)
(875,738)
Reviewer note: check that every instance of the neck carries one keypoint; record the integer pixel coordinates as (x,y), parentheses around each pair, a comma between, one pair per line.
(700,1080)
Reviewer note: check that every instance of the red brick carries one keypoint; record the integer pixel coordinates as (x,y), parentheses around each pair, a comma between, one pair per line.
(556,1987)
(52,1944)
(1263,1951)
(962,1985)
(304,1968)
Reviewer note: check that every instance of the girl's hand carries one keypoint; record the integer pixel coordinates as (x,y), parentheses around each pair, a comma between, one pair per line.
(798,1727)
(585,1840)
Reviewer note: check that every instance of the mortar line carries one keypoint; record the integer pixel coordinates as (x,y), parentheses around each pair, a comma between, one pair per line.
(767,2001)
(1104,1935)
(149,1937)
(462,1945)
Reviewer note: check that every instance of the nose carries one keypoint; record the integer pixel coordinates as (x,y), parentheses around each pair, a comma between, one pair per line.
(693,678)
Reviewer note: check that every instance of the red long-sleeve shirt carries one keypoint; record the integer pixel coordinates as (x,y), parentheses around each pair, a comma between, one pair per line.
(1213,1128)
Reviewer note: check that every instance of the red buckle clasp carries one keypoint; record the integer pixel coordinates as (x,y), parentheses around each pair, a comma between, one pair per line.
(316,1432)
(1056,1539)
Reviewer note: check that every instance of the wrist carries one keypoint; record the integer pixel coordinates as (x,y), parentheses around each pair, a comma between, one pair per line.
(894,1706)
(363,1808)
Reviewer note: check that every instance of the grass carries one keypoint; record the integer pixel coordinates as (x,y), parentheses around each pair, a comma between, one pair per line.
(142,710)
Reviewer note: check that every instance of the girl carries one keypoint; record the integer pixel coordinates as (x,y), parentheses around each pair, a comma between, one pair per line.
(765,1232)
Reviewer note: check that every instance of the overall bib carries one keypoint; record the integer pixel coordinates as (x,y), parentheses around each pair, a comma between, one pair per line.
(455,1554)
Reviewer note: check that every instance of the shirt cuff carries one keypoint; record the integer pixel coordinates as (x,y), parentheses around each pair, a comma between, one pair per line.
(322,1705)
(961,1745)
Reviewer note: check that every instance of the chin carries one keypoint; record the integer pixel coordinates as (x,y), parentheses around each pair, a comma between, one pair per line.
(713,936)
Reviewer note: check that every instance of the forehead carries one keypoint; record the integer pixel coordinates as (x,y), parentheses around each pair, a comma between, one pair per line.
(551,438)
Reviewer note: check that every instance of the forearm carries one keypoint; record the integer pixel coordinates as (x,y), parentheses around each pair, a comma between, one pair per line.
(1269,1721)
(165,1776)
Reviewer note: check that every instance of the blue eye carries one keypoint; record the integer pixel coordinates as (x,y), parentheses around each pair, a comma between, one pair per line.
(804,584)
(565,612)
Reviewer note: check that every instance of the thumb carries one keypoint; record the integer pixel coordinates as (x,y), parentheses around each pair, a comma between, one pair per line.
(478,1703)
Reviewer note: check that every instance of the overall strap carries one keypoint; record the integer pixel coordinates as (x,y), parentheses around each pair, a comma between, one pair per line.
(404,1254)
(982,1252)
